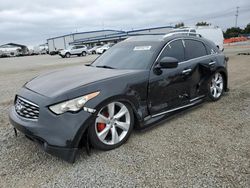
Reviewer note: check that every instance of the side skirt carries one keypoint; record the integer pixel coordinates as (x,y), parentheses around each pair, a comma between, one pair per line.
(158,118)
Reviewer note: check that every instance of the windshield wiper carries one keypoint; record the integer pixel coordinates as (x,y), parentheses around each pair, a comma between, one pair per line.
(105,66)
(89,65)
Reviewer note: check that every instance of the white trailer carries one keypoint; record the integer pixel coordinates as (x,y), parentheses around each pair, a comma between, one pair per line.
(212,33)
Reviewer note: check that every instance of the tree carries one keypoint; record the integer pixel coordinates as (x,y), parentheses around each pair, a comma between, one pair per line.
(233,32)
(178,25)
(202,24)
(247,29)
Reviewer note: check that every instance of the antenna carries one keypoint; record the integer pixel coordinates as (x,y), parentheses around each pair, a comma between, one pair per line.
(236,16)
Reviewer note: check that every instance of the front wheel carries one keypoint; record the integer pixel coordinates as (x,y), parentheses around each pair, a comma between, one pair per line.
(112,127)
(67,55)
(216,86)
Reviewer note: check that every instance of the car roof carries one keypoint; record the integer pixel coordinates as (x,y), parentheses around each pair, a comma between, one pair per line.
(162,38)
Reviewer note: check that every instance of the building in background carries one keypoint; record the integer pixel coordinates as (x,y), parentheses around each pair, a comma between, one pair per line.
(92,38)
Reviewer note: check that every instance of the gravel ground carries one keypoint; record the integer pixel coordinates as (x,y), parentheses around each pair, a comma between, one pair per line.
(208,146)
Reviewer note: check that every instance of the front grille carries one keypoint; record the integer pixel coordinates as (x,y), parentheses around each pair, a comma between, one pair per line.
(26,109)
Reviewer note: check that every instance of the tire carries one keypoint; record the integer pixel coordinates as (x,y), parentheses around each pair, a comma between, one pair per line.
(67,55)
(84,53)
(216,86)
(94,52)
(106,133)
(103,51)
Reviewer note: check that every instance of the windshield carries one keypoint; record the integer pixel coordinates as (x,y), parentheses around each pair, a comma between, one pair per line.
(128,55)
(69,47)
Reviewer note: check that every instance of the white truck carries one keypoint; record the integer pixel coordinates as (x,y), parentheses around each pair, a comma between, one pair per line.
(212,33)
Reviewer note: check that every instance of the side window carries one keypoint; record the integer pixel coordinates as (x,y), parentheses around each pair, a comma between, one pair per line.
(194,49)
(174,49)
(211,50)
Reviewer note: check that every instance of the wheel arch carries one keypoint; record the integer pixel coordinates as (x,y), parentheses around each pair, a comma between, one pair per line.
(125,99)
(223,72)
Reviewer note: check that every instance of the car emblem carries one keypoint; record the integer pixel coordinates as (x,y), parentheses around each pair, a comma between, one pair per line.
(19,107)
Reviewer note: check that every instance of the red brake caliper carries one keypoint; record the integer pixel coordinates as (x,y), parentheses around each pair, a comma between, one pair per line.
(101,126)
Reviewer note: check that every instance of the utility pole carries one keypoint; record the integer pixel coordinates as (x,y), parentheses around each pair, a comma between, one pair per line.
(236,15)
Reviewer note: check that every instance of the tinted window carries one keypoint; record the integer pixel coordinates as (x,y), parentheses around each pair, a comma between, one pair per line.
(212,50)
(194,49)
(174,49)
(79,47)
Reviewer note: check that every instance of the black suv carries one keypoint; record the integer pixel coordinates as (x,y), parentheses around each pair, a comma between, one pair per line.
(136,83)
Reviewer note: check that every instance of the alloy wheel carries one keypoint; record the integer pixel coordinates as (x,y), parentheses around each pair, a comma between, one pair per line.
(112,123)
(216,85)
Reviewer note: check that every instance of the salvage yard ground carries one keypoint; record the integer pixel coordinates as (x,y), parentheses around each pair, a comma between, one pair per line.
(206,146)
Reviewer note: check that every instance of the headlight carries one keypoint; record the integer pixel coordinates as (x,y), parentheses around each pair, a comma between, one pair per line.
(73,105)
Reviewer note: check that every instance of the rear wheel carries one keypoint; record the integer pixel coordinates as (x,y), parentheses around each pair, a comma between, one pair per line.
(216,86)
(112,127)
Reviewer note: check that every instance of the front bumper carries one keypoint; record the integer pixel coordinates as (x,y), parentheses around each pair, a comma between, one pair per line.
(58,135)
(61,54)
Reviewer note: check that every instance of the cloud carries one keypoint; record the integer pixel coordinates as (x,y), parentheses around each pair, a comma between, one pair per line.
(32,22)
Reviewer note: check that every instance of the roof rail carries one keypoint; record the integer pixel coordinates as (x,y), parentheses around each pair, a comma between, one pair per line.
(182,33)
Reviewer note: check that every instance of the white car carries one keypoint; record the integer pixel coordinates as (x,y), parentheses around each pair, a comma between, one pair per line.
(212,33)
(93,50)
(104,48)
(74,50)
(10,52)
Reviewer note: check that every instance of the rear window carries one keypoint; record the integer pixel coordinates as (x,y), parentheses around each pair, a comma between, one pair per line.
(212,49)
(194,49)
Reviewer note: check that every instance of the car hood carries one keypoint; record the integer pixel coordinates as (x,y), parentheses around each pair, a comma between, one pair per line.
(63,51)
(58,82)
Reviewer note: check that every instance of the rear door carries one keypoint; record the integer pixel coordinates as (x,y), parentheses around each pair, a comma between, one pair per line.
(78,50)
(196,58)
(73,50)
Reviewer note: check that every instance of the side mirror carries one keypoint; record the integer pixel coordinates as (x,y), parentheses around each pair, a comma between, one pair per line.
(168,62)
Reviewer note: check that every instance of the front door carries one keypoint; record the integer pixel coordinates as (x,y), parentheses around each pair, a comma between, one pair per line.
(169,88)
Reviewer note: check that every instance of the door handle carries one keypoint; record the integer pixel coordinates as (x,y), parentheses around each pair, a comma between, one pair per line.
(186,71)
(212,63)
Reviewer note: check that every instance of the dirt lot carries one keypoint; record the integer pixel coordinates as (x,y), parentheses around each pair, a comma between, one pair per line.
(208,146)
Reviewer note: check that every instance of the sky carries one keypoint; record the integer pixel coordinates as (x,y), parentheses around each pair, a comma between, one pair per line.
(31,22)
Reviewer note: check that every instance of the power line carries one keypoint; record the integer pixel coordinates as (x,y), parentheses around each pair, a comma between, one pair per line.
(217,15)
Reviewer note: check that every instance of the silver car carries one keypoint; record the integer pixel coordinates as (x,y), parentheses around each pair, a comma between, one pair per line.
(74,50)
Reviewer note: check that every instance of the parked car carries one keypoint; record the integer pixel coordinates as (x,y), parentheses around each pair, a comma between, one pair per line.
(10,52)
(137,83)
(103,48)
(74,50)
(212,33)
(93,50)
